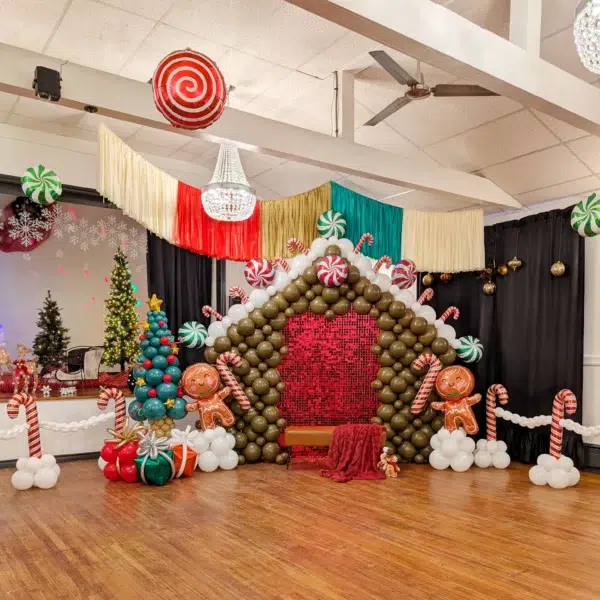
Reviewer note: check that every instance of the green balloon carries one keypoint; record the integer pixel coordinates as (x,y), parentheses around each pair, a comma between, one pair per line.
(386,395)
(255,339)
(270,451)
(154,409)
(385,321)
(439,346)
(385,412)
(418,325)
(407,432)
(437,423)
(397,309)
(389,432)
(398,384)
(386,374)
(272,433)
(252,452)
(259,424)
(261,386)
(419,459)
(246,326)
(399,422)
(222,344)
(407,451)
(241,440)
(419,439)
(177,411)
(251,435)
(271,414)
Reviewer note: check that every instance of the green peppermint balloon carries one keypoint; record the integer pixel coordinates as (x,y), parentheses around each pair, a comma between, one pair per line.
(331,223)
(41,185)
(585,216)
(470,349)
(193,334)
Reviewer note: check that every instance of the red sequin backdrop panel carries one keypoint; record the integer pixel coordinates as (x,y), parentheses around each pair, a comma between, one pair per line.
(328,370)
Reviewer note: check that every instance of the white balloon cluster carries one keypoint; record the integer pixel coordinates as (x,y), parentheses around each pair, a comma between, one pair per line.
(215,449)
(491,452)
(16,431)
(557,473)
(451,449)
(36,472)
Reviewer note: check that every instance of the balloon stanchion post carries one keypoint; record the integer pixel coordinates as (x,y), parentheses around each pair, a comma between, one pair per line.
(490,451)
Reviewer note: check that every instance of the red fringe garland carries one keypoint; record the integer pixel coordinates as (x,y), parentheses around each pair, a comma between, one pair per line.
(196,231)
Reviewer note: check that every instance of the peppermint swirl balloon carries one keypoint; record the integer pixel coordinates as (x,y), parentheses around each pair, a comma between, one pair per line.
(331,223)
(41,185)
(470,350)
(260,273)
(189,89)
(404,274)
(332,271)
(193,334)
(585,216)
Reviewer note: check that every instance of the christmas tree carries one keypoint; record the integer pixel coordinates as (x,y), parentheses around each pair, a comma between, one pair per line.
(157,376)
(50,344)
(121,321)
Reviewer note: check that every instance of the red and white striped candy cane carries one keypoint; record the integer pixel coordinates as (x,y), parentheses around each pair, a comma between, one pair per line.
(209,311)
(295,244)
(281,263)
(496,391)
(235,291)
(365,237)
(120,406)
(383,260)
(426,296)
(451,311)
(229,379)
(31,417)
(565,400)
(435,366)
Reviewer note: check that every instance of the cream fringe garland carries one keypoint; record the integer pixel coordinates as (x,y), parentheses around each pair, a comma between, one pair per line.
(447,242)
(141,190)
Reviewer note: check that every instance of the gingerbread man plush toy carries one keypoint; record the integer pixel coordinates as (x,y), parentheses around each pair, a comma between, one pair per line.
(454,385)
(201,383)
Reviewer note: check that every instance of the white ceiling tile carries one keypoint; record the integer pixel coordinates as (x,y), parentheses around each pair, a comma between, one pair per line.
(557,15)
(385,138)
(294,178)
(492,15)
(162,41)
(255,163)
(29,23)
(559,128)
(184,156)
(124,129)
(55,127)
(47,111)
(201,148)
(158,137)
(151,9)
(7,101)
(559,49)
(223,22)
(148,148)
(541,169)
(263,192)
(511,136)
(3,115)
(98,35)
(420,200)
(588,150)
(562,190)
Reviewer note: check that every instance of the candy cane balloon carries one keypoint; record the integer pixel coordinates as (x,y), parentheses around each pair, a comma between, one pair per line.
(365,237)
(295,244)
(31,417)
(282,264)
(209,311)
(229,378)
(383,260)
(426,296)
(565,400)
(495,392)
(435,366)
(451,311)
(235,291)
(120,406)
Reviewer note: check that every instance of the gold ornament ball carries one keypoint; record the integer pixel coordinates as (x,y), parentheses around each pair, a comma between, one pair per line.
(558,269)
(515,263)
(428,279)
(502,270)
(489,288)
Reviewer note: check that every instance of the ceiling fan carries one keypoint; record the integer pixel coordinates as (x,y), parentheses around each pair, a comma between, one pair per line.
(417,89)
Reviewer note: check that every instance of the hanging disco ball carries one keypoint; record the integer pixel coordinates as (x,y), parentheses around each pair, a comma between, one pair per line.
(189,89)
(586,31)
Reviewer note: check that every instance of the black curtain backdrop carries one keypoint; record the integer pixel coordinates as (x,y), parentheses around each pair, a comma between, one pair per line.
(531,329)
(184,281)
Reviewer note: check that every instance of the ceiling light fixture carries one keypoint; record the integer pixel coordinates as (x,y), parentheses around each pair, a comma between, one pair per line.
(586,31)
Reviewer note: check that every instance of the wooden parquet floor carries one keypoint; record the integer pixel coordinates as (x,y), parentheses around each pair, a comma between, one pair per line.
(264,533)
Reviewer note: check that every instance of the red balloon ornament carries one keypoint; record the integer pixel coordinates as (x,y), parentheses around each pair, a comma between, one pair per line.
(129,473)
(164,340)
(127,453)
(189,89)
(152,393)
(167,378)
(111,472)
(142,337)
(109,452)
(147,364)
(171,359)
(161,323)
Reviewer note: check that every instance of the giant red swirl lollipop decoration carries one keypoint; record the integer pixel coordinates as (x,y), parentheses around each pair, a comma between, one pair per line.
(189,89)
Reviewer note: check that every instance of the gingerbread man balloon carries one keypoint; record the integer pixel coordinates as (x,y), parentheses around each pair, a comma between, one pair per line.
(201,383)
(454,385)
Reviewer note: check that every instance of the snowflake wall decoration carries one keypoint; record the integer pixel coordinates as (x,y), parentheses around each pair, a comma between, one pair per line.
(58,219)
(83,235)
(27,229)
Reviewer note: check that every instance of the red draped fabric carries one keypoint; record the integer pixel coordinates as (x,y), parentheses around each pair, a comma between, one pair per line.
(196,231)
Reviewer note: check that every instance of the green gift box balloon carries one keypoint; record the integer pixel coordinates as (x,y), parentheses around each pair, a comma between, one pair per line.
(154,463)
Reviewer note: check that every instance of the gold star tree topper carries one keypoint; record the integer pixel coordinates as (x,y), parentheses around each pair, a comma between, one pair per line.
(154,303)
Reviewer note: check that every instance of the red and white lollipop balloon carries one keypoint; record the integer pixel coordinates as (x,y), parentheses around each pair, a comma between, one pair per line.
(189,89)
(260,272)
(404,274)
(332,270)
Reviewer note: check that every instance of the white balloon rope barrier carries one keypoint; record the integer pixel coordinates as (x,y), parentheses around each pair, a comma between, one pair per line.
(77,425)
(16,431)
(541,420)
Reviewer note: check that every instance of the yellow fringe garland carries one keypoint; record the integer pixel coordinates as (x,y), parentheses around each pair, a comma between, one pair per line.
(448,242)
(141,190)
(295,216)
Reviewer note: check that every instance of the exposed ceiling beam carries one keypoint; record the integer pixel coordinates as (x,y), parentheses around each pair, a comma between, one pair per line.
(129,100)
(444,39)
(526,24)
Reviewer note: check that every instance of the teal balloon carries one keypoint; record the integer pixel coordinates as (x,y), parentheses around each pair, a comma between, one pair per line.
(139,372)
(175,363)
(177,411)
(150,352)
(136,411)
(155,341)
(144,344)
(160,332)
(163,314)
(154,326)
(149,335)
(166,391)
(141,392)
(164,350)
(174,372)
(154,409)
(150,318)
(160,362)
(154,377)
(141,358)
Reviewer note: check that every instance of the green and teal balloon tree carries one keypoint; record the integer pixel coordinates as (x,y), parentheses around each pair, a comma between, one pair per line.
(158,397)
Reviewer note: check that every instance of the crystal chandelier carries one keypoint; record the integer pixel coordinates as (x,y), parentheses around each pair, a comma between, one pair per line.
(228,197)
(586,30)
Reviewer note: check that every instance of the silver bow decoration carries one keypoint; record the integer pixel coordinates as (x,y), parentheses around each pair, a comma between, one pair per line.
(185,438)
(150,446)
